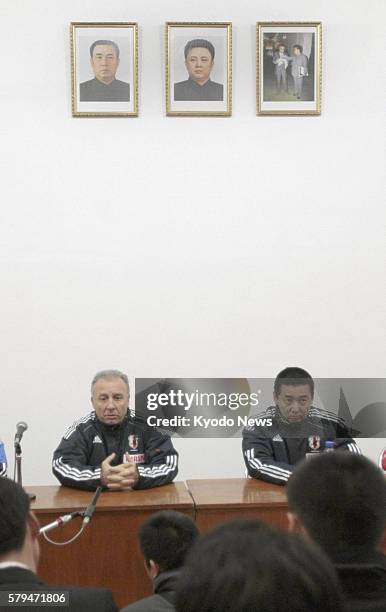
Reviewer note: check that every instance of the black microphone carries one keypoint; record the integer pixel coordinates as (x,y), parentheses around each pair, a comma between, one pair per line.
(21,427)
(91,507)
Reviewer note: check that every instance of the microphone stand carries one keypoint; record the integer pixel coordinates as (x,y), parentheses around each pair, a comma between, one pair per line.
(87,515)
(17,469)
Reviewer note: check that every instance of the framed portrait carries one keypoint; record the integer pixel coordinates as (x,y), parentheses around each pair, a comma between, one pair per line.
(198,69)
(289,68)
(104,69)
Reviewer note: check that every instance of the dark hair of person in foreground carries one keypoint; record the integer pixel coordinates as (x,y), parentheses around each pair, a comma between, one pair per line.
(14,514)
(166,537)
(340,500)
(247,566)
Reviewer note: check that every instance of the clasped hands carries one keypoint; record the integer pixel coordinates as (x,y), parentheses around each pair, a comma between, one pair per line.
(118,477)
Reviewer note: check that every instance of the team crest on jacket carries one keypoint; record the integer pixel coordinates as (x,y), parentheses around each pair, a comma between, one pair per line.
(133,442)
(314,443)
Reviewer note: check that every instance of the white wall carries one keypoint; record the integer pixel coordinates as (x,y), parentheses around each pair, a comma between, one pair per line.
(173,246)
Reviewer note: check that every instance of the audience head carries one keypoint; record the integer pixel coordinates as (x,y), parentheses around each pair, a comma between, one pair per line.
(165,538)
(246,565)
(339,500)
(19,528)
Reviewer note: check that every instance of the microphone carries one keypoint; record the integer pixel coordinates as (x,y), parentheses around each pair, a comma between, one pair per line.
(62,520)
(21,427)
(91,507)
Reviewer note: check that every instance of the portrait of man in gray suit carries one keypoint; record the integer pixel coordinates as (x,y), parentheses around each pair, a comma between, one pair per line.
(104,87)
(299,69)
(288,67)
(199,61)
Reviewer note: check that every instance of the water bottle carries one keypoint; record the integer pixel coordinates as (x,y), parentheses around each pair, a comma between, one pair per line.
(382,460)
(329,446)
(3,460)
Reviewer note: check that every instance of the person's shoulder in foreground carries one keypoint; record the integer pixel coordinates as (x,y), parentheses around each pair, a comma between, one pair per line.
(339,501)
(110,447)
(291,429)
(20,553)
(153,603)
(247,566)
(165,539)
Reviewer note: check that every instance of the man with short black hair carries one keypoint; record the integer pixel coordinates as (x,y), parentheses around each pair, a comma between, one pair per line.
(104,87)
(339,501)
(20,552)
(111,446)
(199,61)
(247,566)
(165,539)
(299,69)
(297,429)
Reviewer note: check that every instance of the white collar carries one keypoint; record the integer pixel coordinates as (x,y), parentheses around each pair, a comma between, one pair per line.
(7,564)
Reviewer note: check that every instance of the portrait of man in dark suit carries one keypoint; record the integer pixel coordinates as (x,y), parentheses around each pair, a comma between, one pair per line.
(104,87)
(199,61)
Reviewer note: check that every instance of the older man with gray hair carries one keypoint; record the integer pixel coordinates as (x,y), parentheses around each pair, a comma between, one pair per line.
(112,447)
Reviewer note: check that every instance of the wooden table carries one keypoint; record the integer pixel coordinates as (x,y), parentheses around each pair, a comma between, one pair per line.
(217,501)
(107,553)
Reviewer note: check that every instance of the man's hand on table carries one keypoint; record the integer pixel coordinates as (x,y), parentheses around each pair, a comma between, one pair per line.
(119,477)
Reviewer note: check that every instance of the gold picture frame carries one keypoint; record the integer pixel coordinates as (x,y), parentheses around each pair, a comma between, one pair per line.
(198,84)
(104,76)
(288,68)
